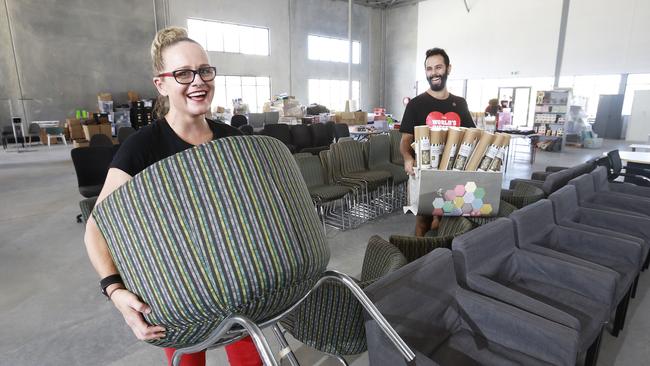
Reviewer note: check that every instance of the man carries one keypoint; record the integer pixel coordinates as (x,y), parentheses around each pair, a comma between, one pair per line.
(435,107)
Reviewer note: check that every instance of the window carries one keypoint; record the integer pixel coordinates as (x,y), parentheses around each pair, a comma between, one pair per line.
(589,88)
(332,93)
(332,49)
(253,90)
(227,37)
(634,82)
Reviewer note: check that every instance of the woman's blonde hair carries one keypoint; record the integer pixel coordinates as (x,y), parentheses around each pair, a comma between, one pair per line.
(165,38)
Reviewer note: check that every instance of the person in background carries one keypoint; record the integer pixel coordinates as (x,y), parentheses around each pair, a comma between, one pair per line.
(435,107)
(493,108)
(185,80)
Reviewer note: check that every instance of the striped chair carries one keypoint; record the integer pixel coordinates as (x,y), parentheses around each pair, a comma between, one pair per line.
(505,209)
(330,320)
(395,141)
(414,247)
(219,235)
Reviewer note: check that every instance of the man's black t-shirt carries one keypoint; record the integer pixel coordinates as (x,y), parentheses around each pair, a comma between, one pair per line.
(425,109)
(158,141)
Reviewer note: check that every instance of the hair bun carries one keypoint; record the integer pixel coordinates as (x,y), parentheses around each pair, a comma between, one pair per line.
(164,38)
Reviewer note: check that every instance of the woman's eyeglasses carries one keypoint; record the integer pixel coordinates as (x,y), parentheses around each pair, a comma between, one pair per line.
(186,76)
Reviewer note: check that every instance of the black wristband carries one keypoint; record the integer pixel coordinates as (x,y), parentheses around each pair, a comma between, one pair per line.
(109,280)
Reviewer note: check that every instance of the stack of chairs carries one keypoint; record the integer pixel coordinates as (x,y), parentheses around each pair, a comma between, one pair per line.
(566,266)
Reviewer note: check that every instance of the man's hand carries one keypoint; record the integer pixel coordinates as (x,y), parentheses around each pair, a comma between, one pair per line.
(408,166)
(132,309)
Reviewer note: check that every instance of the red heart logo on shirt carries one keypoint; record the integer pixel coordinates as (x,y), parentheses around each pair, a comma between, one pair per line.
(449,119)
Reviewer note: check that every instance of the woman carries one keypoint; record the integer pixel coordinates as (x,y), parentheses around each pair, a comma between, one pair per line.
(185,81)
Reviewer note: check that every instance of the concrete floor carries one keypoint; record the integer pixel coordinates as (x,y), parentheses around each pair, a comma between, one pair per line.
(51,312)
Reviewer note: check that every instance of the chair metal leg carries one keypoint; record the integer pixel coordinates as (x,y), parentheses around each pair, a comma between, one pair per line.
(251,328)
(382,323)
(286,350)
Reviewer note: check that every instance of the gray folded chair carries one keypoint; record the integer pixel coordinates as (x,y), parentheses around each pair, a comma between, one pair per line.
(447,325)
(569,213)
(588,197)
(537,231)
(602,184)
(558,179)
(488,262)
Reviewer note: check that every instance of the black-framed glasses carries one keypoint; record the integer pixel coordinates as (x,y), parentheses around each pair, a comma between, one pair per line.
(186,76)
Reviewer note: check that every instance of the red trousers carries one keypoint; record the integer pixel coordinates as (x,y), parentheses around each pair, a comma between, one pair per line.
(240,353)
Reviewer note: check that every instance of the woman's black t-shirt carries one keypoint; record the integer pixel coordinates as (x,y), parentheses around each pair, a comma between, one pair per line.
(158,141)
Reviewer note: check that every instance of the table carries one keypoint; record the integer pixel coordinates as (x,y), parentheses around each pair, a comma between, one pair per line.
(639,146)
(634,157)
(364,134)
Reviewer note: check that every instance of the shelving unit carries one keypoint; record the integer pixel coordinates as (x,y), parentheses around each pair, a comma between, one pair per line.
(551,114)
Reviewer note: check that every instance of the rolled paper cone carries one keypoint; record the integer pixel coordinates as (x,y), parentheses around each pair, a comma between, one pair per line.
(497,162)
(491,153)
(470,140)
(423,152)
(479,151)
(454,136)
(437,141)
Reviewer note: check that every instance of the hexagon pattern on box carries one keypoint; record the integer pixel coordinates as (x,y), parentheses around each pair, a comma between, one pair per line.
(466,200)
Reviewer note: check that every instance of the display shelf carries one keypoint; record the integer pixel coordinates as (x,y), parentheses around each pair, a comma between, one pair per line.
(551,115)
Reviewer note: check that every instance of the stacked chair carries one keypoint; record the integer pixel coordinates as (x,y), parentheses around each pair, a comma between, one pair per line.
(447,325)
(250,245)
(572,260)
(379,154)
(91,167)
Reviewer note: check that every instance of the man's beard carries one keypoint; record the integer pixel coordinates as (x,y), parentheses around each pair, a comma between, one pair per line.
(438,87)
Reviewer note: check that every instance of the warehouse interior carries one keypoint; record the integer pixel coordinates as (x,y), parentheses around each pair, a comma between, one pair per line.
(58,56)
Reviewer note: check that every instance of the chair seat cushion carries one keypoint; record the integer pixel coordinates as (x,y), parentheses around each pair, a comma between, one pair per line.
(91,191)
(590,314)
(464,348)
(329,193)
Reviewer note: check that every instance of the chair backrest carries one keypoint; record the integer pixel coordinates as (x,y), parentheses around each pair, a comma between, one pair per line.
(301,136)
(584,187)
(599,175)
(247,129)
(100,140)
(34,129)
(378,151)
(533,222)
(278,130)
(91,164)
(565,203)
(615,161)
(320,134)
(559,179)
(341,130)
(250,243)
(347,157)
(605,162)
(395,141)
(331,130)
(238,120)
(454,226)
(311,170)
(124,132)
(484,248)
(380,259)
(256,120)
(271,117)
(326,162)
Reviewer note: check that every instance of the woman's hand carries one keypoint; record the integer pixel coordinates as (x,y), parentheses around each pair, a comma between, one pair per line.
(132,309)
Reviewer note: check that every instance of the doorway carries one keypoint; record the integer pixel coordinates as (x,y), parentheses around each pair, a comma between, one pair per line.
(518,100)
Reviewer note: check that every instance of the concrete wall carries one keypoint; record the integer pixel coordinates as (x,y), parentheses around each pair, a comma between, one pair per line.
(289,23)
(68,51)
(401,55)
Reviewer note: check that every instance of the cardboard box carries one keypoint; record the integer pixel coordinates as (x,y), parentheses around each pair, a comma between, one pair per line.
(80,143)
(74,128)
(454,193)
(352,118)
(91,130)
